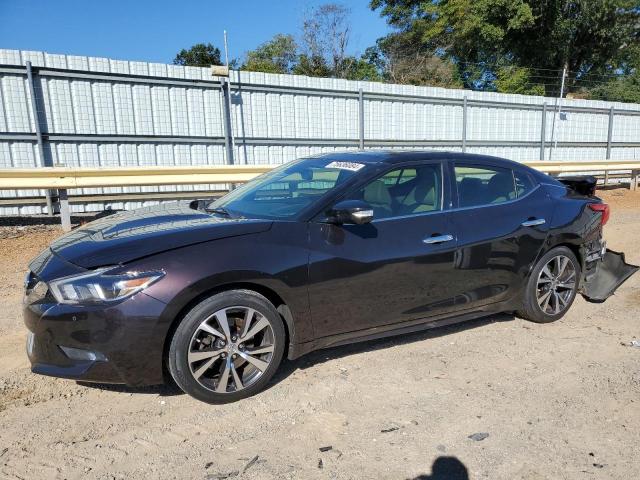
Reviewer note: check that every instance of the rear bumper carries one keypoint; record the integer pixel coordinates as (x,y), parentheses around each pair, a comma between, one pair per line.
(610,272)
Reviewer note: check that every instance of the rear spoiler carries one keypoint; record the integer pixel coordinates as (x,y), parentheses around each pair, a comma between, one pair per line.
(582,184)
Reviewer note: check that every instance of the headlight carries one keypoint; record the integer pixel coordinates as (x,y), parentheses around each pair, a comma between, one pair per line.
(98,286)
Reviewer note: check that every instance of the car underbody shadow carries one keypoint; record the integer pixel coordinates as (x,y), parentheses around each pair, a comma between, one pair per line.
(332,353)
(168,389)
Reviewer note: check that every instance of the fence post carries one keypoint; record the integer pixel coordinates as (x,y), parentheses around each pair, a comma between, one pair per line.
(465,108)
(65,213)
(226,107)
(610,133)
(39,138)
(361,119)
(543,130)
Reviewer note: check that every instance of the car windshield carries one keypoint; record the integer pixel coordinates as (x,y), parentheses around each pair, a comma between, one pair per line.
(287,190)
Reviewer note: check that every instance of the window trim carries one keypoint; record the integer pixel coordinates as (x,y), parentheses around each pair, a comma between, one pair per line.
(454,185)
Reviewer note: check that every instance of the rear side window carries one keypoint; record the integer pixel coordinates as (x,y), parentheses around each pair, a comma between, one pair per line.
(484,185)
(524,183)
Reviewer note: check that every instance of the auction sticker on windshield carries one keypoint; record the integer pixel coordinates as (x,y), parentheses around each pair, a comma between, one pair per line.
(354,167)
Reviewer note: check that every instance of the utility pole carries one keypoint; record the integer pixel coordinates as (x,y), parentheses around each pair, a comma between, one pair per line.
(227,99)
(554,139)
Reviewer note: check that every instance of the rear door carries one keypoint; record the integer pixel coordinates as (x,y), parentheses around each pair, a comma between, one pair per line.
(395,268)
(501,221)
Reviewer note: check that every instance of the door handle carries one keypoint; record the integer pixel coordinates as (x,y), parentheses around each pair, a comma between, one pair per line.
(533,222)
(438,239)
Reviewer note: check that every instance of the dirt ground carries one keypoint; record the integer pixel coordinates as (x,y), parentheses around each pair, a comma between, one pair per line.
(558,401)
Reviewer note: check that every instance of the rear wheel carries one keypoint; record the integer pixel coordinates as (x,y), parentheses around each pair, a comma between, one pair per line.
(552,286)
(227,347)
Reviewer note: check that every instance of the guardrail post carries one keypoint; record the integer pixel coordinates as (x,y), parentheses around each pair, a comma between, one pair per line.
(543,130)
(65,213)
(465,108)
(39,137)
(361,119)
(226,107)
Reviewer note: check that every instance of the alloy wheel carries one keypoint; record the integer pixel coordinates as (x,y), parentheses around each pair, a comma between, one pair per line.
(231,349)
(556,285)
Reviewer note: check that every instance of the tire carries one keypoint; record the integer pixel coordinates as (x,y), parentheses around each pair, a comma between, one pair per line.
(213,363)
(547,301)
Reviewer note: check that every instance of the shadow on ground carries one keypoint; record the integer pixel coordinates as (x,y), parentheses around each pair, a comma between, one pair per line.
(446,468)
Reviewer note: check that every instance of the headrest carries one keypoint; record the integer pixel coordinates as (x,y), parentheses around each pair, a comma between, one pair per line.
(377,193)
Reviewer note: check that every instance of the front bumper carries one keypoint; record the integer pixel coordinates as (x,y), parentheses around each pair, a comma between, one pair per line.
(121,343)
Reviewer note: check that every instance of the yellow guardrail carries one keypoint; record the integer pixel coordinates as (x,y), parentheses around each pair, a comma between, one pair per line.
(64,178)
(69,178)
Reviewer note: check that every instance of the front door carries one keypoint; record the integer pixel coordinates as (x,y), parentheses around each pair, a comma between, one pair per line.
(393,269)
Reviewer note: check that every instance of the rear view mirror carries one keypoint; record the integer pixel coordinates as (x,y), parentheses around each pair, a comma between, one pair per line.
(351,212)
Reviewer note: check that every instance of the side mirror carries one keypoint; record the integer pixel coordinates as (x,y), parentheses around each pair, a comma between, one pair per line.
(351,212)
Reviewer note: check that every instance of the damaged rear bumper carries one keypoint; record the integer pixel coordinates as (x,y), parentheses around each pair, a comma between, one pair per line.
(611,272)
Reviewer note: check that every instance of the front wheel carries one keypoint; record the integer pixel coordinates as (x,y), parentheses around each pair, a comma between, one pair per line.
(227,347)
(552,286)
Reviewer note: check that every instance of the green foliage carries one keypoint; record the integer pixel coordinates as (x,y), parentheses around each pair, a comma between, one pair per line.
(482,36)
(278,55)
(513,79)
(199,55)
(624,89)
(313,66)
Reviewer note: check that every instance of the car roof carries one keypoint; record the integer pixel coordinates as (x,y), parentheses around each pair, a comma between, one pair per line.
(400,156)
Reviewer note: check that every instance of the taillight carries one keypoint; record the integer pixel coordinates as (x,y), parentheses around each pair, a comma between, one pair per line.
(602,208)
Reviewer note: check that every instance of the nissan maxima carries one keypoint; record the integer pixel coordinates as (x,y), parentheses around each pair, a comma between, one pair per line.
(319,252)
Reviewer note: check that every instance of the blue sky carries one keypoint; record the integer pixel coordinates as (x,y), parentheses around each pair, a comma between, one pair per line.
(155,30)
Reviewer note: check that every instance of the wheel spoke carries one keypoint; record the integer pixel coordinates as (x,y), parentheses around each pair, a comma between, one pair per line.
(261,350)
(248,317)
(202,355)
(236,378)
(544,298)
(224,377)
(259,326)
(546,272)
(259,364)
(204,367)
(209,329)
(221,317)
(561,262)
(567,285)
(556,301)
(563,301)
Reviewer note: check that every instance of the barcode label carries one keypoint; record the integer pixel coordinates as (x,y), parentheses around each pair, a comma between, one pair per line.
(354,167)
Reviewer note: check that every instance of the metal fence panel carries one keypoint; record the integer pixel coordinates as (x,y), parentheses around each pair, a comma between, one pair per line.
(105,112)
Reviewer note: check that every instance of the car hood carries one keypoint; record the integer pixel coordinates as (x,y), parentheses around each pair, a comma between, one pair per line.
(134,234)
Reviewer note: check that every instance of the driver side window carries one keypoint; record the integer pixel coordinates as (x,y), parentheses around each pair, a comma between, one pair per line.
(403,191)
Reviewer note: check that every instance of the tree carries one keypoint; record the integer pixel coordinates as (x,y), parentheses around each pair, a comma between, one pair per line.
(199,55)
(481,36)
(325,37)
(399,61)
(278,55)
